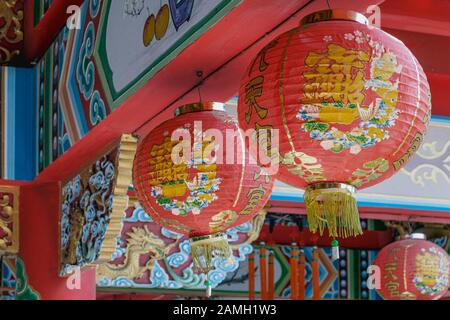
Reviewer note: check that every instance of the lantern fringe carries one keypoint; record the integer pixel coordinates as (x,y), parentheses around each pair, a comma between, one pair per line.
(335,210)
(204,248)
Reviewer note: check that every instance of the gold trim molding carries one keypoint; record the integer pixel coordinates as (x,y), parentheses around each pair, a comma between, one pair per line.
(9,219)
(127,152)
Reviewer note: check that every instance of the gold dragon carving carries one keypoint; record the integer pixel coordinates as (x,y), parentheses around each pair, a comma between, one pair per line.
(11,30)
(142,241)
(139,241)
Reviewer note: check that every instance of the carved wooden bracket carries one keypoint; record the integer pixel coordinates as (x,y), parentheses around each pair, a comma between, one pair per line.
(9,219)
(93,205)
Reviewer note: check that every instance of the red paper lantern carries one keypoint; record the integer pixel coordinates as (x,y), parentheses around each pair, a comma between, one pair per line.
(199,196)
(413,269)
(351,104)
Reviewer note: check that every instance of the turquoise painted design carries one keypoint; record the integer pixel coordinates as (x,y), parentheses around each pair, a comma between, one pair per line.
(14,281)
(75,105)
(94,8)
(85,68)
(93,200)
(8,279)
(97,110)
(139,215)
(24,290)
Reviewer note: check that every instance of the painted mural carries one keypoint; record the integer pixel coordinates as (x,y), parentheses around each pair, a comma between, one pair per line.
(82,78)
(345,278)
(152,257)
(126,57)
(337,279)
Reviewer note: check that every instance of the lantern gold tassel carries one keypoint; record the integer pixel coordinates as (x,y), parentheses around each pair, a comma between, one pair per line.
(204,248)
(332,206)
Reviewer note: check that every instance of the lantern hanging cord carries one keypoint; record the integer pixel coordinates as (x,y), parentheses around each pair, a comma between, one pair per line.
(328,4)
(233,58)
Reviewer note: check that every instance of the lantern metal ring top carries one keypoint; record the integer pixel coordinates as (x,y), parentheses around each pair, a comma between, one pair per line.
(334,14)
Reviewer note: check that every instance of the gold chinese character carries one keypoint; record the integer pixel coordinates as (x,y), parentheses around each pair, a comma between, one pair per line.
(262,58)
(336,76)
(253,90)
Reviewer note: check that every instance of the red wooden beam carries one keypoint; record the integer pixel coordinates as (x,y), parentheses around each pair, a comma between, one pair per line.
(38,39)
(283,235)
(222,53)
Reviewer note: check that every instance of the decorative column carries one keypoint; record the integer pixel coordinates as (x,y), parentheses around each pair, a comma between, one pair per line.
(263,271)
(251,276)
(294,272)
(315,274)
(271,278)
(301,275)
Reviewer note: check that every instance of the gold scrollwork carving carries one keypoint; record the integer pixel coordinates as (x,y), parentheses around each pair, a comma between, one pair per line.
(11,29)
(127,151)
(9,219)
(414,146)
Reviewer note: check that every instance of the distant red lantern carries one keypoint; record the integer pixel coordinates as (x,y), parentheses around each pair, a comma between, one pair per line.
(413,269)
(203,193)
(351,104)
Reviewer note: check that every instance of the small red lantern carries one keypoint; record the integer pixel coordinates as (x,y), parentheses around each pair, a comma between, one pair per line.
(351,104)
(413,269)
(202,193)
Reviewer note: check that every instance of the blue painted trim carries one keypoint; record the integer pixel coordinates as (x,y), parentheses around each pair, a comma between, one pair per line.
(440,119)
(9,122)
(25,124)
(72,85)
(368,203)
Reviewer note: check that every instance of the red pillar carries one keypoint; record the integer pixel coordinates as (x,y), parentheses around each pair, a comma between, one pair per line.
(39,245)
(301,275)
(315,274)
(294,272)
(263,271)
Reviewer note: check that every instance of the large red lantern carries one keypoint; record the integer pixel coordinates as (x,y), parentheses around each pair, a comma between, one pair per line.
(351,104)
(413,269)
(187,182)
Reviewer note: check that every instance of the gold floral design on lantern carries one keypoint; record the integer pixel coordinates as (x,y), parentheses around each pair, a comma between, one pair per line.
(371,171)
(304,166)
(170,181)
(335,90)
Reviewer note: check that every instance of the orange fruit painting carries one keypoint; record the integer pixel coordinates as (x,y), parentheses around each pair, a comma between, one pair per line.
(149,30)
(162,22)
